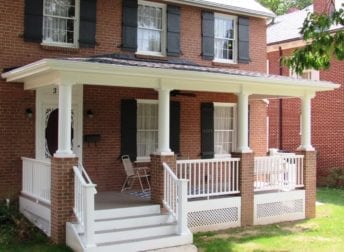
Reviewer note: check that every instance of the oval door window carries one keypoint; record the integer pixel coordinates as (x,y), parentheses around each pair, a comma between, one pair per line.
(51,132)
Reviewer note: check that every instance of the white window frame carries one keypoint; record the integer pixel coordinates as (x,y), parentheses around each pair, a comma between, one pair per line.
(76,28)
(234,137)
(314,74)
(163,29)
(145,101)
(235,48)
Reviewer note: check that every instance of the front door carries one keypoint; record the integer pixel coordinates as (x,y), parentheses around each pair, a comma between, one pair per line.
(47,122)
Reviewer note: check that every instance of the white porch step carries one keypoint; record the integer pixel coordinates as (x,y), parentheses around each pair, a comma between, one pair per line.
(130,222)
(149,243)
(117,235)
(126,212)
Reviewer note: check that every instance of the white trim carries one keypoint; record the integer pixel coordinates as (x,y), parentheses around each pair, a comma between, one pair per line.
(224,104)
(163,42)
(147,101)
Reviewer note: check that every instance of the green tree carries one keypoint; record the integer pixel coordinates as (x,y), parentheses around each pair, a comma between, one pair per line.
(322,43)
(281,7)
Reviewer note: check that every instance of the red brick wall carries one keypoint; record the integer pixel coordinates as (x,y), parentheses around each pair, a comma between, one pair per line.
(327,120)
(258,127)
(322,6)
(17,131)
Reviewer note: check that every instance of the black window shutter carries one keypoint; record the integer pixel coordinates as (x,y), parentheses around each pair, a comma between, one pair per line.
(243,40)
(175,126)
(207,35)
(128,128)
(207,130)
(129,25)
(33,20)
(173,30)
(87,30)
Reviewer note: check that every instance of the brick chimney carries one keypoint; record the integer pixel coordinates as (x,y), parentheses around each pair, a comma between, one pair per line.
(324,6)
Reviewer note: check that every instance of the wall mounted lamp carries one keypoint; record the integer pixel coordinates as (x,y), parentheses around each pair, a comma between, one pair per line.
(89,113)
(29,112)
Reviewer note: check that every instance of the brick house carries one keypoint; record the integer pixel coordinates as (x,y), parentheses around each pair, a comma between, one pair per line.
(284,114)
(179,86)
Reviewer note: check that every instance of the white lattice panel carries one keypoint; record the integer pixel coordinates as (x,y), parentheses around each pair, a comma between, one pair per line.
(214,214)
(278,207)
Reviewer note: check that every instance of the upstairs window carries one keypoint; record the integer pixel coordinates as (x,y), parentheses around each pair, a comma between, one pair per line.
(224,130)
(60,22)
(225,38)
(307,74)
(151,31)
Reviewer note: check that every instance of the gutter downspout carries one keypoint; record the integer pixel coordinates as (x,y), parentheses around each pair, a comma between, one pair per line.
(280,115)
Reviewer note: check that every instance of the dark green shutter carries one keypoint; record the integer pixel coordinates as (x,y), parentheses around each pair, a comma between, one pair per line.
(33,20)
(207,35)
(243,40)
(129,25)
(128,128)
(207,130)
(87,30)
(175,126)
(173,30)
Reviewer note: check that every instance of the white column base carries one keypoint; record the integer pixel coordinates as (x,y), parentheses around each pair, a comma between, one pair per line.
(164,153)
(244,150)
(64,154)
(305,148)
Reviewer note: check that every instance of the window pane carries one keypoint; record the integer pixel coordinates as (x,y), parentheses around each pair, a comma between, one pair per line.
(147,129)
(224,37)
(223,129)
(58,21)
(149,28)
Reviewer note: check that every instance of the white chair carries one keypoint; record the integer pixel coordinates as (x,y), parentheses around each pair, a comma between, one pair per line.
(133,174)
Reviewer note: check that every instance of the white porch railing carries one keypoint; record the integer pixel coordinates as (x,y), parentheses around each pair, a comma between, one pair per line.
(175,198)
(210,177)
(84,192)
(280,172)
(36,179)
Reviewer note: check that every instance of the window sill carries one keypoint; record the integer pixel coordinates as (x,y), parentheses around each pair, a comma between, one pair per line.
(220,156)
(55,47)
(148,55)
(143,160)
(218,62)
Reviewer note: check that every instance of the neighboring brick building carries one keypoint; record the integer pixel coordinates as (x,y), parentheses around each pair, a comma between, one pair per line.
(284,114)
(91,80)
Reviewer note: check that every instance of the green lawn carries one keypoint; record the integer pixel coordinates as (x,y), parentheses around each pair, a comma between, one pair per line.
(323,233)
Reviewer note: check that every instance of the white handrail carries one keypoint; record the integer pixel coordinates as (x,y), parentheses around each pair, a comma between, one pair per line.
(84,204)
(210,177)
(278,172)
(36,179)
(175,198)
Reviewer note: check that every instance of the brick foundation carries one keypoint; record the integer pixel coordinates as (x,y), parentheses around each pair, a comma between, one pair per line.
(157,176)
(246,182)
(62,196)
(309,177)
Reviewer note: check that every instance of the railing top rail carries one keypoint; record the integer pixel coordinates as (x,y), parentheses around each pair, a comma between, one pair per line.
(77,172)
(168,169)
(45,162)
(280,157)
(190,161)
(83,171)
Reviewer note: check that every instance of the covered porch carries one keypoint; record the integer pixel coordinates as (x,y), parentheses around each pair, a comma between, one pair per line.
(222,191)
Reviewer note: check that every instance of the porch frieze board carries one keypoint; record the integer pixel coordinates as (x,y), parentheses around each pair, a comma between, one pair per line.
(123,75)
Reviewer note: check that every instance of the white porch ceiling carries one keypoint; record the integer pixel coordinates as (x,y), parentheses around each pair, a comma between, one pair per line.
(139,74)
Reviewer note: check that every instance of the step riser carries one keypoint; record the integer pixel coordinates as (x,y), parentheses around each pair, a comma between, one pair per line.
(135,233)
(146,244)
(127,212)
(131,222)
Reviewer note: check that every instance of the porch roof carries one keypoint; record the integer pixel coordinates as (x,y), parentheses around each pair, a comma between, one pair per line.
(128,71)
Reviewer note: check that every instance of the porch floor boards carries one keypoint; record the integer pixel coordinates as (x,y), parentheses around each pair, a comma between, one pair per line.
(115,199)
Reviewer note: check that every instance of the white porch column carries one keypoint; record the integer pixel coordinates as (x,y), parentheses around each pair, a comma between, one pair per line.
(243,123)
(65,122)
(164,122)
(306,131)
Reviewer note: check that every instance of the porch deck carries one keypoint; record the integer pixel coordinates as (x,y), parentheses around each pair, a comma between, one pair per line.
(115,199)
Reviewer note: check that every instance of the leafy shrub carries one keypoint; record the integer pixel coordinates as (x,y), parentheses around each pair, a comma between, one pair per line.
(15,228)
(335,178)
